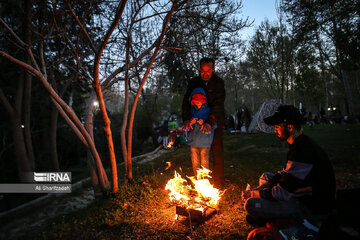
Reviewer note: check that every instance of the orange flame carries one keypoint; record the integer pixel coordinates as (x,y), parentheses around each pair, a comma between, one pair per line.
(198,195)
(170,144)
(168,165)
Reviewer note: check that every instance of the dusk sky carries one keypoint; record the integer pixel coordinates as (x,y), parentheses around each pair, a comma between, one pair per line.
(258,10)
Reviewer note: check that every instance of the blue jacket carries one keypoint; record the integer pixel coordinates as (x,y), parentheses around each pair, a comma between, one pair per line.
(195,137)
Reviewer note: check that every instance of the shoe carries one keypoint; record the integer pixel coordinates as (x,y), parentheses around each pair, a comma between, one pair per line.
(256,222)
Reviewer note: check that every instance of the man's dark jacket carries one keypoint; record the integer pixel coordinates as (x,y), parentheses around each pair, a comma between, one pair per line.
(215,92)
(307,176)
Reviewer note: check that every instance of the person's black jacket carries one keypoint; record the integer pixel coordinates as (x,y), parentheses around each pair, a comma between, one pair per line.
(307,176)
(215,92)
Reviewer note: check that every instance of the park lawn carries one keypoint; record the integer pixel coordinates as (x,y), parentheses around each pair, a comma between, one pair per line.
(141,210)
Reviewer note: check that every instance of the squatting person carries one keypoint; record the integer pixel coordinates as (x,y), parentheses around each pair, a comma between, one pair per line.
(305,188)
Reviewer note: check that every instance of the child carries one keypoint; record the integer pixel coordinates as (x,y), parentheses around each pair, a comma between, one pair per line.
(173,129)
(199,142)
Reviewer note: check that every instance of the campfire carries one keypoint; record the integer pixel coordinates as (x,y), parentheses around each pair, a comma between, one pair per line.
(170,144)
(197,198)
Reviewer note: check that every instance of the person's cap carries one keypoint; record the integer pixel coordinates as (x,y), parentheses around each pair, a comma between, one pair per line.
(285,114)
(198,96)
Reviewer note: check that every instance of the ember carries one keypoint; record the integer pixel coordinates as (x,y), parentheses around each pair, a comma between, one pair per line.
(199,195)
(168,165)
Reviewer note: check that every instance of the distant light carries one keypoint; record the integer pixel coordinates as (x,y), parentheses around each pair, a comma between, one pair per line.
(329,109)
(22,126)
(334,108)
(96,103)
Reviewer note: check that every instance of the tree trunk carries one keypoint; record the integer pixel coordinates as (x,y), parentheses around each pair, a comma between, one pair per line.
(21,156)
(99,94)
(341,74)
(27,87)
(348,104)
(131,120)
(323,69)
(23,164)
(27,123)
(52,138)
(90,159)
(53,126)
(128,174)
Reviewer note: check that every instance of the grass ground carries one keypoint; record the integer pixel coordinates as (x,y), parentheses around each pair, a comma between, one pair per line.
(141,210)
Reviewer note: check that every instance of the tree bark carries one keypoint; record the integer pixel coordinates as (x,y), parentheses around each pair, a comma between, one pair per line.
(27,87)
(323,69)
(126,111)
(89,126)
(52,139)
(23,163)
(99,94)
(53,128)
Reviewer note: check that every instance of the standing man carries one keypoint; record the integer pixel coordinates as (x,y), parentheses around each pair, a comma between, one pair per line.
(215,91)
(305,188)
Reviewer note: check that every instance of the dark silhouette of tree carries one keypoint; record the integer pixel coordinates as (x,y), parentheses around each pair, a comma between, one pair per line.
(332,26)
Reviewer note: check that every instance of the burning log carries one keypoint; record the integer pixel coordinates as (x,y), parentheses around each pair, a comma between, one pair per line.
(196,215)
(197,200)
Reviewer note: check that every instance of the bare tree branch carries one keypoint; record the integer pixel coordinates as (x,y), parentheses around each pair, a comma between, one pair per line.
(106,83)
(131,121)
(81,26)
(42,60)
(24,45)
(70,123)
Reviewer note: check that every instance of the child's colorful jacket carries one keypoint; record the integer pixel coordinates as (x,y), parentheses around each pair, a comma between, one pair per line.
(195,137)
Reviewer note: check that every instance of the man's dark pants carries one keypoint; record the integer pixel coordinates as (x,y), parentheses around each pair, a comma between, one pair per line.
(218,157)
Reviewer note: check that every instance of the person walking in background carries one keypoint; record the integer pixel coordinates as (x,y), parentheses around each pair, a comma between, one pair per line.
(164,133)
(199,141)
(215,92)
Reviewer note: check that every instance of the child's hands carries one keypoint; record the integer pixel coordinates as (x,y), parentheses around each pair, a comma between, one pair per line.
(192,122)
(206,128)
(200,121)
(185,126)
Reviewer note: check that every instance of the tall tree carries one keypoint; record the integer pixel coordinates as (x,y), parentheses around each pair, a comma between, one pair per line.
(107,67)
(270,54)
(204,28)
(332,26)
(17,103)
(38,68)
